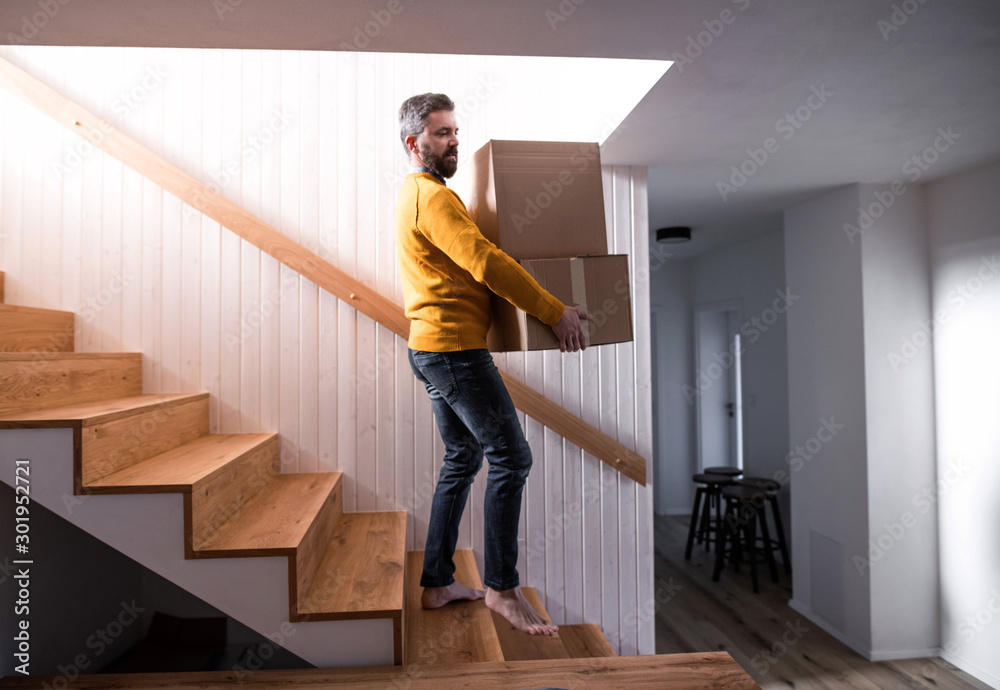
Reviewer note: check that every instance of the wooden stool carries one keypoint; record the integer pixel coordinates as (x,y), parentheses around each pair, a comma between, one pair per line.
(702,526)
(770,487)
(723,471)
(741,518)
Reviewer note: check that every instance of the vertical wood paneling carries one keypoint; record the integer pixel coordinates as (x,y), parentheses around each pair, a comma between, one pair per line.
(550,533)
(645,601)
(219,279)
(326,190)
(191,304)
(248,346)
(174,216)
(212,313)
(287,144)
(71,208)
(229,333)
(626,408)
(271,297)
(308,203)
(366,270)
(571,526)
(383,156)
(347,219)
(49,240)
(149,125)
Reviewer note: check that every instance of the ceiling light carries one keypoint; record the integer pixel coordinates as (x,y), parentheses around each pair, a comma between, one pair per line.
(674,235)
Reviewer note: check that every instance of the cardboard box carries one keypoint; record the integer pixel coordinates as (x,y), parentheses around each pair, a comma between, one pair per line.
(597,284)
(539,199)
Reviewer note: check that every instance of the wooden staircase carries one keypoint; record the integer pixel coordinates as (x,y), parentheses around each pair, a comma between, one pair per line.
(237,503)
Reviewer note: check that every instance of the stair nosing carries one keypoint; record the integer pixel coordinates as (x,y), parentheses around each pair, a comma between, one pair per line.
(39,354)
(35,420)
(33,310)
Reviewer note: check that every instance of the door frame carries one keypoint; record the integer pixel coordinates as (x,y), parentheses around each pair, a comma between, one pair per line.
(734,305)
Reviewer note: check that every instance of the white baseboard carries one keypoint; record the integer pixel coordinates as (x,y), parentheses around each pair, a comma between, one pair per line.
(857,645)
(897,654)
(973,670)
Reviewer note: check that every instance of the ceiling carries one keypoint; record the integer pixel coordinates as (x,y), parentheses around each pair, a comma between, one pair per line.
(804,95)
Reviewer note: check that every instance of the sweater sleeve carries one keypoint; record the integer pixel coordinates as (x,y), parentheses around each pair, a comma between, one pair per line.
(446,223)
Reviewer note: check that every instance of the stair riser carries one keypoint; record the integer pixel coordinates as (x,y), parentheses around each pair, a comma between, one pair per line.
(215,500)
(42,380)
(22,330)
(112,446)
(311,551)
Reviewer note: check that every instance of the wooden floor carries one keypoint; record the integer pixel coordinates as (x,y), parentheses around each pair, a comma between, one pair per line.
(776,645)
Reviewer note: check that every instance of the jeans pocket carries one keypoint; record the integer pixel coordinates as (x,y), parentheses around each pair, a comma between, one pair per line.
(437,370)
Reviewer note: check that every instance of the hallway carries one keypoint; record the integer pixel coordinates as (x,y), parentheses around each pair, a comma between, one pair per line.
(771,641)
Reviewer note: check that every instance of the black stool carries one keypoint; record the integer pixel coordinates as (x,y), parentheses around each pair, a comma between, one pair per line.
(710,487)
(739,528)
(723,471)
(770,488)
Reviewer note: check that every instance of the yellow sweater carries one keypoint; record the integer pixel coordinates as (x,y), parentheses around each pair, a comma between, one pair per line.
(448,270)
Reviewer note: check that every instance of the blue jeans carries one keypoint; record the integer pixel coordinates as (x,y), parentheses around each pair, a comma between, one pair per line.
(475,415)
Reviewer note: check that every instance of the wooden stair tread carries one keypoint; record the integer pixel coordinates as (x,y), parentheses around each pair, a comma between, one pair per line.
(361,575)
(180,468)
(585,640)
(275,520)
(519,646)
(91,413)
(460,632)
(698,671)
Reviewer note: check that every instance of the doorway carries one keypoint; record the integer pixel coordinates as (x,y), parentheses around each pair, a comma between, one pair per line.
(719,408)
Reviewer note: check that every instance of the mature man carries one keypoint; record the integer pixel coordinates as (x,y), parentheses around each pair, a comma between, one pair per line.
(448,270)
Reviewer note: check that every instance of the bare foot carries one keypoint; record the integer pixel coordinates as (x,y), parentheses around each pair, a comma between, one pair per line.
(436,597)
(512,605)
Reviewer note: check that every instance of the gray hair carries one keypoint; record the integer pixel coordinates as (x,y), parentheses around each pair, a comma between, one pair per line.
(415,110)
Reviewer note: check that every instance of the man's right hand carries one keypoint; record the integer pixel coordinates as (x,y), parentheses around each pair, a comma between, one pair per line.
(569,330)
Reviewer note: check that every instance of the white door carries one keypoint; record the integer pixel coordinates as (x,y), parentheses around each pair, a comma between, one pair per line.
(717,381)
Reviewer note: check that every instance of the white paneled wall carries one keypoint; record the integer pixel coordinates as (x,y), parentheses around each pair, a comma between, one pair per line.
(308,142)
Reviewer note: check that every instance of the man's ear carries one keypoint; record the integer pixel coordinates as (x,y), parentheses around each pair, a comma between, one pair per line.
(411,143)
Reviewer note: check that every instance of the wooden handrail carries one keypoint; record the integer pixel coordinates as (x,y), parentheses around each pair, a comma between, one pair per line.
(298,258)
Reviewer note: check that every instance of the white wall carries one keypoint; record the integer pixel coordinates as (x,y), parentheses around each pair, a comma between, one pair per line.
(829,495)
(899,405)
(673,354)
(866,558)
(963,213)
(210,312)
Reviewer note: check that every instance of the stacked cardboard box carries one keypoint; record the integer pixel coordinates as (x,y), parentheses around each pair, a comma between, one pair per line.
(543,204)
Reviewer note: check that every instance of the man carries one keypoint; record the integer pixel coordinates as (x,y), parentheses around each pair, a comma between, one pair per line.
(448,270)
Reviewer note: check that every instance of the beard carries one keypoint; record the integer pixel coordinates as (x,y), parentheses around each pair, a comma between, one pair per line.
(439,164)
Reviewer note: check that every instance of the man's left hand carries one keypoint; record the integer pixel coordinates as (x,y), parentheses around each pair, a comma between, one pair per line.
(569,330)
